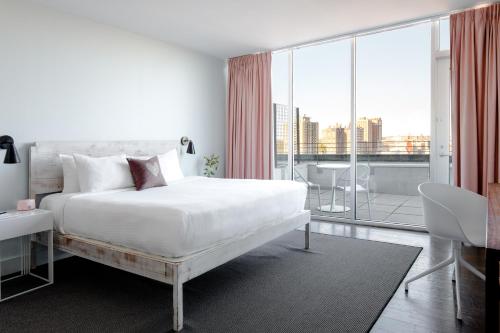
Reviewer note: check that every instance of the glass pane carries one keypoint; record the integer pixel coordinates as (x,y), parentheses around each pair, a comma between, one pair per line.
(322,124)
(444,34)
(280,77)
(393,123)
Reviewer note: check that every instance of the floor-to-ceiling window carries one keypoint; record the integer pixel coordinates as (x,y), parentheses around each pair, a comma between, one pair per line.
(370,121)
(321,98)
(393,121)
(281,82)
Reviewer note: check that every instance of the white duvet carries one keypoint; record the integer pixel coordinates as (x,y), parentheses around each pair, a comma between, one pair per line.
(187,216)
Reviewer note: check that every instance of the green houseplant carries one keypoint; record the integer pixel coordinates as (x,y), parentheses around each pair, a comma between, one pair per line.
(211,165)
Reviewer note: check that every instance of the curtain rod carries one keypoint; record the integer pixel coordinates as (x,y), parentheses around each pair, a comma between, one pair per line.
(377,29)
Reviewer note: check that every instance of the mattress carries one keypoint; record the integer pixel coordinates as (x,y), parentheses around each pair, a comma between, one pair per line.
(185,217)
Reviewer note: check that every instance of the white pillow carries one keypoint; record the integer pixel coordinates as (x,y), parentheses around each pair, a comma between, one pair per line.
(103,173)
(170,167)
(70,174)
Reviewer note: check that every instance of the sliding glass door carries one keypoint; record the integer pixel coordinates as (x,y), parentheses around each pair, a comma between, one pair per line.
(364,120)
(321,98)
(393,123)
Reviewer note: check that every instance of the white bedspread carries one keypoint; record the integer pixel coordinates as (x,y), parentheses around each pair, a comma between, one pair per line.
(188,216)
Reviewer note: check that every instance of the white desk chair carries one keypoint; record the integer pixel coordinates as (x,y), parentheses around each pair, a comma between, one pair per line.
(310,186)
(362,184)
(457,215)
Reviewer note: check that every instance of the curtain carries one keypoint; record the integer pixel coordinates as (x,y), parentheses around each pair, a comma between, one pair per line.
(475,97)
(249,118)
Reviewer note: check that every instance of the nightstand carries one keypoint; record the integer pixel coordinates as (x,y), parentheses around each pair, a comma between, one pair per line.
(24,225)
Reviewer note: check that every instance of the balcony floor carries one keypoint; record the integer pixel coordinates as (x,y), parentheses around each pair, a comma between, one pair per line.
(388,208)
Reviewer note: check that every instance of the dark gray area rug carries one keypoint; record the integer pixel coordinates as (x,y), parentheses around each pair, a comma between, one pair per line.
(339,285)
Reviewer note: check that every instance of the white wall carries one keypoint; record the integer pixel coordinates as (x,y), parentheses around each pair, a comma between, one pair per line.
(67,78)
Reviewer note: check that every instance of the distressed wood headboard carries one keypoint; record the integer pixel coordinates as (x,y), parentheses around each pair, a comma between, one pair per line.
(45,168)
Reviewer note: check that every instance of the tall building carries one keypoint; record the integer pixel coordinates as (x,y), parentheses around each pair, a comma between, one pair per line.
(308,135)
(280,112)
(371,137)
(335,140)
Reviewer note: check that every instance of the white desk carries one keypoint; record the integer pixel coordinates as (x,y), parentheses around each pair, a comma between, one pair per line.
(332,207)
(15,224)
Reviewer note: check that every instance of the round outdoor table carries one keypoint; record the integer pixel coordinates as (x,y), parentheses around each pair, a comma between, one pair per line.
(332,207)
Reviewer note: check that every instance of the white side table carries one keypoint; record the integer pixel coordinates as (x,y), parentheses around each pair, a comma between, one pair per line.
(14,224)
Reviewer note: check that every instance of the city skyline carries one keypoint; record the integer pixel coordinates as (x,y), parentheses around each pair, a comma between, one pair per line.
(384,62)
(336,138)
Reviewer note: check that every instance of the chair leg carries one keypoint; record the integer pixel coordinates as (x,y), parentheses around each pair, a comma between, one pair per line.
(456,254)
(457,260)
(445,263)
(309,196)
(471,268)
(307,236)
(319,197)
(368,202)
(345,194)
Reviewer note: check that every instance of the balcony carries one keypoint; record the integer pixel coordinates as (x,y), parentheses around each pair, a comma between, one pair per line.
(393,180)
(386,208)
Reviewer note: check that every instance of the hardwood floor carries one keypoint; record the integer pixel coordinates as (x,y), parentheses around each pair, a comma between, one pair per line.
(429,305)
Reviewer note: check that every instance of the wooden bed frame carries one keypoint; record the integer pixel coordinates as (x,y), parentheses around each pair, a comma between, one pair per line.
(45,176)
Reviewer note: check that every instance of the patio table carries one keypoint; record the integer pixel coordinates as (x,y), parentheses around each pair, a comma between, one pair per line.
(332,207)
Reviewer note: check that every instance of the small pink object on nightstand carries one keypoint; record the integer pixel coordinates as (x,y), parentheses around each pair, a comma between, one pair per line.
(28,204)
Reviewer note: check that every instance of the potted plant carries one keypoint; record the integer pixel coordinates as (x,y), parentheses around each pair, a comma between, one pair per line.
(211,165)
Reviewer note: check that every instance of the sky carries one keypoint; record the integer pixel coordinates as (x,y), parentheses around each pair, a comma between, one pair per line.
(393,80)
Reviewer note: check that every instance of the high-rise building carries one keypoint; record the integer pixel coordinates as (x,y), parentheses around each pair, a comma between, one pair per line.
(280,112)
(308,135)
(370,141)
(335,140)
(327,140)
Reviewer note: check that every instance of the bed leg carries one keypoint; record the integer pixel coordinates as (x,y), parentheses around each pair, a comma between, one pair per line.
(177,298)
(307,235)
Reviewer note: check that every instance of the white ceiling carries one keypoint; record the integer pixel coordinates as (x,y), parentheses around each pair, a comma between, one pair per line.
(228,28)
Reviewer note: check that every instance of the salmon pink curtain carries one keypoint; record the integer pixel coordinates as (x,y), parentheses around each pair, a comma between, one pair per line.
(475,97)
(249,118)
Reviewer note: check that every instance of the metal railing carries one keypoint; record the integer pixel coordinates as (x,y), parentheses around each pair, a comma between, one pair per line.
(382,151)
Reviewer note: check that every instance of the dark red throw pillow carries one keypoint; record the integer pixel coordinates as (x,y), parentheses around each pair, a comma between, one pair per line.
(146,173)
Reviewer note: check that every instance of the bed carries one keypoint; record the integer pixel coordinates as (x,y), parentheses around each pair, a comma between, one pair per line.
(171,234)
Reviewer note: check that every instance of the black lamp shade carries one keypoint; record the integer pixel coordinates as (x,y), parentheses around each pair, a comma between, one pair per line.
(11,154)
(190,148)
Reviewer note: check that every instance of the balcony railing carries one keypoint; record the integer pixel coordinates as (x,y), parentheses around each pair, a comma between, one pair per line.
(416,151)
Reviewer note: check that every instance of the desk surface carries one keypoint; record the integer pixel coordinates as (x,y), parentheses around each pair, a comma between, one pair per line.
(493,236)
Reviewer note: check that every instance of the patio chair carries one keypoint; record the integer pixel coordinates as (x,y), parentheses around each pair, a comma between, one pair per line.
(310,186)
(362,184)
(459,216)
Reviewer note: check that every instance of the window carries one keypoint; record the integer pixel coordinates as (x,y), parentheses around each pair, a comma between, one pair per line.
(280,88)
(444,34)
(363,128)
(322,104)
(393,121)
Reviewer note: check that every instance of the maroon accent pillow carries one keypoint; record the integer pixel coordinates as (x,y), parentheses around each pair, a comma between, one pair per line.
(146,173)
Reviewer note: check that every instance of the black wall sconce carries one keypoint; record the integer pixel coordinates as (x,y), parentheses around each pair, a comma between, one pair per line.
(190,146)
(11,155)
